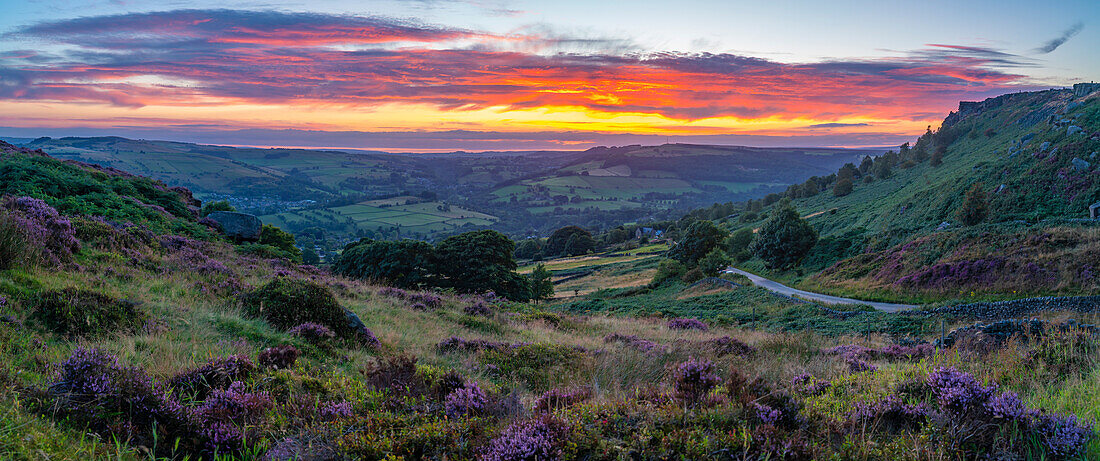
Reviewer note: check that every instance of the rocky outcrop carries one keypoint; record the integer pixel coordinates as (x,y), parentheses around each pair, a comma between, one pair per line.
(1081,90)
(238,226)
(999,332)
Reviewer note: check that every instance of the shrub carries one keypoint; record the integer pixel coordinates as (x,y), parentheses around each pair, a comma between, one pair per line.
(226,415)
(975,206)
(686,324)
(286,303)
(74,312)
(478,308)
(534,440)
(807,384)
(278,357)
(314,333)
(16,249)
(693,379)
(727,345)
(634,342)
(784,239)
(561,398)
(49,234)
(92,389)
(219,373)
(668,269)
(466,401)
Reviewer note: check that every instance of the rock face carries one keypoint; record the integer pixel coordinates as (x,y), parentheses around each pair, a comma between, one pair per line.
(1073,129)
(1084,89)
(240,226)
(1079,164)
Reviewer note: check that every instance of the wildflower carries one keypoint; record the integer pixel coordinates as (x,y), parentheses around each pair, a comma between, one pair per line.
(467,400)
(694,379)
(540,439)
(686,324)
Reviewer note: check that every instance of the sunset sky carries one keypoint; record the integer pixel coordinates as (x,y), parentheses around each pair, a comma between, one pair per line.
(442,75)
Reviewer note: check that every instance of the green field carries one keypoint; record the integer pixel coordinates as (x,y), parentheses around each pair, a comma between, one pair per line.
(418,219)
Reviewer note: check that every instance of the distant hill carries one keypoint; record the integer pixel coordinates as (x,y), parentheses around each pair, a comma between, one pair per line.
(1035,156)
(517,192)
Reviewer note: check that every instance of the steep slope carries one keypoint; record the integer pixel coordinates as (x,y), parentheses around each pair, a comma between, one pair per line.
(1034,155)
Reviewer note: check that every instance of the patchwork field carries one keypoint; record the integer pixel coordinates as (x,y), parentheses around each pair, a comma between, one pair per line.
(412,220)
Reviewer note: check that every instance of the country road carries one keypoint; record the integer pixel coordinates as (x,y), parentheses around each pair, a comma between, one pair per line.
(782,289)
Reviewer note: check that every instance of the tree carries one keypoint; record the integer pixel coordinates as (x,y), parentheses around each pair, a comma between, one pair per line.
(480,261)
(699,239)
(737,244)
(542,287)
(784,239)
(714,262)
(528,249)
(309,256)
(667,269)
(975,206)
(843,187)
(582,243)
(400,263)
(211,207)
(280,239)
(882,168)
(937,156)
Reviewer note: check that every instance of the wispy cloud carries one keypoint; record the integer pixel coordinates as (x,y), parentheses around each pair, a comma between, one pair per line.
(1054,43)
(219,57)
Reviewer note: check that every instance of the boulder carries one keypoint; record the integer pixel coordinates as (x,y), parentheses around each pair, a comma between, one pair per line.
(1079,165)
(1044,146)
(1073,129)
(240,226)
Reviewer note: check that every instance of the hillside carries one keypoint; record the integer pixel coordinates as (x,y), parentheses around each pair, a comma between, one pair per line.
(130,331)
(520,193)
(898,234)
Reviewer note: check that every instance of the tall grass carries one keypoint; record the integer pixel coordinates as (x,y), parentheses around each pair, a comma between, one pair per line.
(16,249)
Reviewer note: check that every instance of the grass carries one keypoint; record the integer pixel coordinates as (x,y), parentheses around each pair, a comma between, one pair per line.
(412,219)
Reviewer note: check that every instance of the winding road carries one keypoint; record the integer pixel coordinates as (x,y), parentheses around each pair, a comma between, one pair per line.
(782,289)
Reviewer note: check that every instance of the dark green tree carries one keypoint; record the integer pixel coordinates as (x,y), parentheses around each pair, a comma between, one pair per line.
(699,239)
(280,239)
(211,207)
(975,206)
(843,187)
(401,263)
(737,244)
(528,249)
(583,242)
(784,239)
(479,261)
(542,287)
(309,256)
(714,262)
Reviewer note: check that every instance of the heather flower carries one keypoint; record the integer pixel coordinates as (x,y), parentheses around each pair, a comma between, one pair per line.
(313,332)
(856,365)
(219,373)
(891,412)
(456,344)
(686,324)
(957,390)
(633,341)
(809,385)
(478,308)
(766,414)
(51,233)
(224,412)
(694,379)
(278,357)
(1063,435)
(1008,406)
(467,400)
(535,440)
(336,410)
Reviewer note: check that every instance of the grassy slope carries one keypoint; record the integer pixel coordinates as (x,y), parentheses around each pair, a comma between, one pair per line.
(1041,195)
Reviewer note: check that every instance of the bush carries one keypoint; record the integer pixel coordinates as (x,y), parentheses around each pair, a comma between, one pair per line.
(539,439)
(278,357)
(219,373)
(468,400)
(784,238)
(286,303)
(211,207)
(975,206)
(313,333)
(281,240)
(74,312)
(693,379)
(15,246)
(686,324)
(668,269)
(46,236)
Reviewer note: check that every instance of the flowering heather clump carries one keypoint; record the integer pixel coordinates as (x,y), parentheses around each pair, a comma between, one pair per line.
(91,387)
(727,345)
(891,413)
(210,223)
(561,398)
(958,391)
(907,353)
(332,411)
(225,412)
(686,324)
(810,385)
(468,400)
(427,299)
(1063,435)
(854,355)
(393,292)
(693,379)
(278,357)
(219,373)
(539,439)
(50,233)
(633,341)
(313,332)
(859,366)
(766,414)
(418,307)
(478,308)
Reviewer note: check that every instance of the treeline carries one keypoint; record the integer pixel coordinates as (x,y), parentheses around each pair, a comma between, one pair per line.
(473,262)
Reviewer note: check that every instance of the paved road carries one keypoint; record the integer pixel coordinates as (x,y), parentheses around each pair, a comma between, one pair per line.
(786,290)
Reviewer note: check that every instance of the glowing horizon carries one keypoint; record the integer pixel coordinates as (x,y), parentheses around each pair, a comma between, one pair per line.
(209,73)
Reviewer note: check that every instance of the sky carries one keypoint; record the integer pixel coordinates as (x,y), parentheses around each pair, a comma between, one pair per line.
(475,75)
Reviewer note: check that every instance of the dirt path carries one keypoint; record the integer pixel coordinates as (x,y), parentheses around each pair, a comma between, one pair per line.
(777,287)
